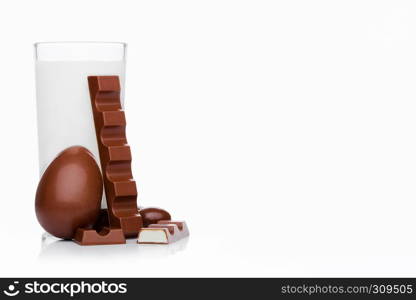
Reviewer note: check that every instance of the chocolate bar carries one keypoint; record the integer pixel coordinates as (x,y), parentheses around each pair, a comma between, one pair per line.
(164,232)
(115,157)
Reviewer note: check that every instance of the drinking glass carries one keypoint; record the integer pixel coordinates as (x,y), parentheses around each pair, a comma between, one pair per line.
(64,114)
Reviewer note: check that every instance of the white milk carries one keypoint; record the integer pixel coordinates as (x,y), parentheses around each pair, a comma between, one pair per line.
(64,106)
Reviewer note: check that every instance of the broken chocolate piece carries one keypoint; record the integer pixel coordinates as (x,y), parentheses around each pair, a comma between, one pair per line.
(107,236)
(164,232)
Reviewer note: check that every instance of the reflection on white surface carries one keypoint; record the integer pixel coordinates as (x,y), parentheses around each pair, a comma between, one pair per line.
(57,249)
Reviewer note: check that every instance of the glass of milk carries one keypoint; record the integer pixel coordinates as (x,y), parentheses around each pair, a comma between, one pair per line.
(64,114)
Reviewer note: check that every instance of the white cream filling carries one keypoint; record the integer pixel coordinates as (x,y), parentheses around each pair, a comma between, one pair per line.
(153,236)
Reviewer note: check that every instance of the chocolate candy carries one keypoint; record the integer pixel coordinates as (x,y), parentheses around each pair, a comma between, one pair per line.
(164,232)
(69,193)
(158,227)
(106,236)
(152,215)
(115,158)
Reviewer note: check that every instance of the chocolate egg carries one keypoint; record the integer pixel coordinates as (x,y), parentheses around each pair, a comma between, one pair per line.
(69,193)
(152,215)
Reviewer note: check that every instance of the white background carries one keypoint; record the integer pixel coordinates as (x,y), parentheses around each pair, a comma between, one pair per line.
(283,132)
